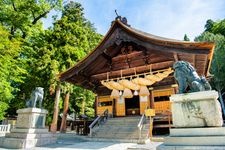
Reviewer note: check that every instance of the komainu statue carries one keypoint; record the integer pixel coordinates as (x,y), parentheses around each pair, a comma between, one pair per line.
(36,95)
(187,78)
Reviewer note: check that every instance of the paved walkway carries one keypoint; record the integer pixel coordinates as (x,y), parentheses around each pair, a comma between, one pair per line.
(77,144)
(74,142)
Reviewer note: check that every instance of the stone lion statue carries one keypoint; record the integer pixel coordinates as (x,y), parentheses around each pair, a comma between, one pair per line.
(187,78)
(36,95)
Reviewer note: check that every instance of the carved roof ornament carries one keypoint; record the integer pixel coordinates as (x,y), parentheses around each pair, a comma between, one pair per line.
(122,19)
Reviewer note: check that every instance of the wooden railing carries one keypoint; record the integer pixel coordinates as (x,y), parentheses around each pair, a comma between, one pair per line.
(98,121)
(141,124)
(5,128)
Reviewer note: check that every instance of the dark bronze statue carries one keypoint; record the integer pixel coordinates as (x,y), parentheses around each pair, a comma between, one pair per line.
(187,78)
(36,95)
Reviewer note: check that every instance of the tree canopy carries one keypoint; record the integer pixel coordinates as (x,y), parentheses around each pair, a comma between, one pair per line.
(217,27)
(11,70)
(22,18)
(32,56)
(215,32)
(186,38)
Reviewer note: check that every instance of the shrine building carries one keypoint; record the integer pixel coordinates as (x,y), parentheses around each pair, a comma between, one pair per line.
(131,70)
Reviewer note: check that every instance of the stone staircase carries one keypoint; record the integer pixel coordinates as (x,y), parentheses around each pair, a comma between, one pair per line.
(122,129)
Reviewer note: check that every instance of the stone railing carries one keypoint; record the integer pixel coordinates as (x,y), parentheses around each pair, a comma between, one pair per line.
(4,129)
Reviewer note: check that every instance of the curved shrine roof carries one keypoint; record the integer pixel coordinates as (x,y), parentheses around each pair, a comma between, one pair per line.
(124,49)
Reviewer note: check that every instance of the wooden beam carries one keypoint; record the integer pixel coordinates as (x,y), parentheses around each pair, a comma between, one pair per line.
(131,71)
(106,56)
(194,59)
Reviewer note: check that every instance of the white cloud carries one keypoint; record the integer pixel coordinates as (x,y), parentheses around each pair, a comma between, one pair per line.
(167,18)
(173,20)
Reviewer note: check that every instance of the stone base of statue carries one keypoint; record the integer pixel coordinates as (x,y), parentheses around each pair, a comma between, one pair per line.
(195,139)
(197,109)
(30,130)
(197,121)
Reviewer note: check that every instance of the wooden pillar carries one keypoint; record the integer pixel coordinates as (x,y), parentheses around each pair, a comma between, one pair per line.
(83,106)
(152,100)
(114,107)
(96,105)
(56,109)
(65,110)
(175,88)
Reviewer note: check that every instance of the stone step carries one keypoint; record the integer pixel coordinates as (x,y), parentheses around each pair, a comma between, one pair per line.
(121,128)
(121,131)
(119,136)
(29,130)
(120,125)
(126,118)
(115,127)
(122,122)
(118,140)
(29,135)
(198,141)
(15,143)
(213,131)
(165,147)
(116,134)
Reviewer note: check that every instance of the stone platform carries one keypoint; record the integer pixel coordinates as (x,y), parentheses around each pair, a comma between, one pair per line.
(30,130)
(198,121)
(195,138)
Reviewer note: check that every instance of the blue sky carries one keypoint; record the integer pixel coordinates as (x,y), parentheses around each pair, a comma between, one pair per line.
(166,18)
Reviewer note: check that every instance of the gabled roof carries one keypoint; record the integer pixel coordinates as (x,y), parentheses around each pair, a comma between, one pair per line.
(147,49)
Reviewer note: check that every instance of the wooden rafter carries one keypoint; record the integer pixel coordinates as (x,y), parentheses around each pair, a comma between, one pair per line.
(130,71)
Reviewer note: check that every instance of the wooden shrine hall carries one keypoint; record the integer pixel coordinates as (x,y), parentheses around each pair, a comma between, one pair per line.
(128,54)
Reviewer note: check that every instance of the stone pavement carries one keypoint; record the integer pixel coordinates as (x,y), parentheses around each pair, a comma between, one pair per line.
(97,145)
(83,143)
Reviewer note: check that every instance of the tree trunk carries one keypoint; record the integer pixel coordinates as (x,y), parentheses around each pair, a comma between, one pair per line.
(221,102)
(65,110)
(56,110)
(83,106)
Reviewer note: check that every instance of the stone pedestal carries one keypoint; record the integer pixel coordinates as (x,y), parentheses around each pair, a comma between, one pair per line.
(198,109)
(195,139)
(198,121)
(30,130)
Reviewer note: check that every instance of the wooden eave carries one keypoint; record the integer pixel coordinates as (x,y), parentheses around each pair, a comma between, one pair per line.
(161,53)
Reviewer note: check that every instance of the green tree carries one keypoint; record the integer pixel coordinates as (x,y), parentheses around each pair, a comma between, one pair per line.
(43,54)
(11,70)
(217,27)
(22,18)
(215,33)
(60,47)
(186,38)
